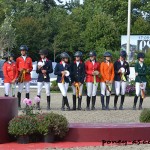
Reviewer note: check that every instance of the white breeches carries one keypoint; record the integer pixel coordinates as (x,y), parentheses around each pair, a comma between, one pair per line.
(21,85)
(138,88)
(10,89)
(63,88)
(47,88)
(104,89)
(120,86)
(80,90)
(91,89)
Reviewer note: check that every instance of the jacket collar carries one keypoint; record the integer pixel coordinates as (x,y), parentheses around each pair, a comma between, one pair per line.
(45,58)
(79,61)
(91,61)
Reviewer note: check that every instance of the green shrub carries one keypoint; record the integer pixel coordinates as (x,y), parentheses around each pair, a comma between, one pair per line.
(22,125)
(145,116)
(52,123)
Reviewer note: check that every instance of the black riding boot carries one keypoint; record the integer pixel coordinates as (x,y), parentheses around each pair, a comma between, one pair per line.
(66,102)
(19,99)
(63,104)
(135,101)
(141,102)
(93,102)
(107,102)
(74,102)
(27,95)
(88,99)
(79,102)
(38,103)
(48,102)
(115,102)
(122,101)
(102,102)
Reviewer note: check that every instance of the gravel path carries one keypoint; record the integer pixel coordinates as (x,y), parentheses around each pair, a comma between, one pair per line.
(128,147)
(118,116)
(97,116)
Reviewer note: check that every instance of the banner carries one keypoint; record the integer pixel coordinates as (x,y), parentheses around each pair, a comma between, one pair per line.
(137,43)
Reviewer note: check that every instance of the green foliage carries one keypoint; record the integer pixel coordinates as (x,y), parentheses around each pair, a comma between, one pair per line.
(95,25)
(7,34)
(52,123)
(22,125)
(145,116)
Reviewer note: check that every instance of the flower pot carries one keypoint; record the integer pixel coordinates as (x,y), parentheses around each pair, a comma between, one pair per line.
(49,138)
(23,139)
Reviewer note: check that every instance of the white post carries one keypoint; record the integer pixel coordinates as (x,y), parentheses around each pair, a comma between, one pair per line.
(128,29)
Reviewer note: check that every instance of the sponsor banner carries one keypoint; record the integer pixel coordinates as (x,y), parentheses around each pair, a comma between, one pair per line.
(137,43)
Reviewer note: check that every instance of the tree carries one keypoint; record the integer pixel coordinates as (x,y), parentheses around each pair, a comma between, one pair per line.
(7,35)
(29,32)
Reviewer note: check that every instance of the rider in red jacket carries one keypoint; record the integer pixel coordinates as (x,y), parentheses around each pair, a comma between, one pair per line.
(24,66)
(10,74)
(92,79)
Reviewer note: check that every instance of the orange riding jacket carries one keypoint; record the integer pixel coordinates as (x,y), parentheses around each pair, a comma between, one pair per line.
(10,72)
(25,64)
(107,72)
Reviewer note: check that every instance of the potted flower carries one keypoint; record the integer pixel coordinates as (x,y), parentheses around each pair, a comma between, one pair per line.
(51,125)
(28,110)
(21,127)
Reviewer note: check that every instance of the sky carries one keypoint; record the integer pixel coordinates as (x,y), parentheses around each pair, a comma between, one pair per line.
(64,1)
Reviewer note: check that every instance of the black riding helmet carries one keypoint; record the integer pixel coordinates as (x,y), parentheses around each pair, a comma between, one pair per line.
(78,54)
(43,52)
(123,54)
(92,53)
(8,55)
(23,47)
(140,55)
(107,54)
(64,55)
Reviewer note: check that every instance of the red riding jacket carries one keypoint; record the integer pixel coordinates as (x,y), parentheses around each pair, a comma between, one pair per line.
(10,72)
(89,69)
(25,64)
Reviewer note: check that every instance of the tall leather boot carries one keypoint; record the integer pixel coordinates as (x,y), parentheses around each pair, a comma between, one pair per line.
(88,99)
(19,99)
(135,101)
(122,101)
(48,102)
(79,102)
(38,104)
(93,102)
(141,102)
(107,102)
(27,95)
(63,104)
(74,102)
(66,102)
(102,102)
(115,102)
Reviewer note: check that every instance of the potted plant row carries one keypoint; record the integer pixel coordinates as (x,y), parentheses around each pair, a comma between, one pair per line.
(49,125)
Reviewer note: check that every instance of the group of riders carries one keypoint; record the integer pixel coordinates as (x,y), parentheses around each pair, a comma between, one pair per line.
(92,72)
